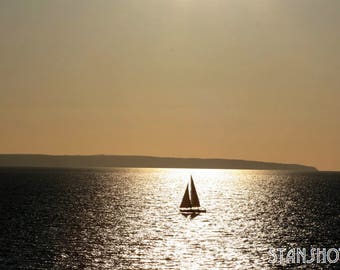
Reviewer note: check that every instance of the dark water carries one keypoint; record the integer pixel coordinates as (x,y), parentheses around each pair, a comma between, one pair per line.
(128,218)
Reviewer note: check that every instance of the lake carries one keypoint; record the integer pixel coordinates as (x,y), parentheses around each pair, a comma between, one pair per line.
(120,218)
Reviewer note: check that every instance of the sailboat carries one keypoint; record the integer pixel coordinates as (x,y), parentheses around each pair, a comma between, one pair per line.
(190,203)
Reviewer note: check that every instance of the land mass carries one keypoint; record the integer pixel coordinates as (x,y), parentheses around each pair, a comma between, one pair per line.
(75,161)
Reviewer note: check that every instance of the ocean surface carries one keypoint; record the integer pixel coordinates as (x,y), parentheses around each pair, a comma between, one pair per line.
(116,218)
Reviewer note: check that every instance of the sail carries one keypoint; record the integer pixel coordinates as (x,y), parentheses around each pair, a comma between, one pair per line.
(193,195)
(186,200)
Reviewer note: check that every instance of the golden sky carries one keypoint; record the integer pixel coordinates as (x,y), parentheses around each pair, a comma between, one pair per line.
(247,79)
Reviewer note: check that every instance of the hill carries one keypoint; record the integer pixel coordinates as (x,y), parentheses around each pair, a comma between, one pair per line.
(27,160)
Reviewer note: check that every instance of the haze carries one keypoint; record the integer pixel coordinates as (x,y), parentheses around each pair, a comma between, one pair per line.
(256,80)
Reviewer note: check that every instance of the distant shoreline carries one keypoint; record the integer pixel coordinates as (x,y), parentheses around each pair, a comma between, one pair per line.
(90,161)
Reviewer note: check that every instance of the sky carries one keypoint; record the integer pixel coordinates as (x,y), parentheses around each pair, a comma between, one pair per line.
(241,79)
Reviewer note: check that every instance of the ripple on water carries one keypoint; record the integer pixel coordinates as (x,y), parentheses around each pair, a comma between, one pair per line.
(128,218)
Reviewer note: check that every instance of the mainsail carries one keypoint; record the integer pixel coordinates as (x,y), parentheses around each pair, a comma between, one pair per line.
(193,195)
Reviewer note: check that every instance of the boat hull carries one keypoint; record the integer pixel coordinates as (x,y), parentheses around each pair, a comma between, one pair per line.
(192,210)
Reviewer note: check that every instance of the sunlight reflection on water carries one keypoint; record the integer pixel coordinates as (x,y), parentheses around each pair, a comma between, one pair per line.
(129,218)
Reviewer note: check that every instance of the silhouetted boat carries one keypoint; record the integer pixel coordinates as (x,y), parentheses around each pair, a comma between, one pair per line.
(190,203)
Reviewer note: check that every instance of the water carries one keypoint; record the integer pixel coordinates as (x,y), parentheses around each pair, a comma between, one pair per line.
(128,218)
